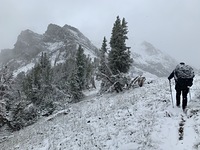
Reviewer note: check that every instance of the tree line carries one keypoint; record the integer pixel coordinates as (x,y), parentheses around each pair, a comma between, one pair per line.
(45,88)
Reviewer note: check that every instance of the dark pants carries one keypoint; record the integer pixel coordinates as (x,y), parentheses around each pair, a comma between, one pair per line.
(184,93)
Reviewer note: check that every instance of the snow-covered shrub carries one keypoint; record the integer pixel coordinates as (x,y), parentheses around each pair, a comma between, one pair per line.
(24,114)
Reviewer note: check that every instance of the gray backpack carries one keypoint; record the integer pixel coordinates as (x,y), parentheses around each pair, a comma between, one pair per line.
(184,72)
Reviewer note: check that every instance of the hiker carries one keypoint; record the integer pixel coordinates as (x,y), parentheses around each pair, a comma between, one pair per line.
(183,75)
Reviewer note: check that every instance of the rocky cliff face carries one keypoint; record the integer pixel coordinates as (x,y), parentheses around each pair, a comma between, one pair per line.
(58,42)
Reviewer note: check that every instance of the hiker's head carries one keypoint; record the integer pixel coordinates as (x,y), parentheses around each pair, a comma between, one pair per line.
(182,63)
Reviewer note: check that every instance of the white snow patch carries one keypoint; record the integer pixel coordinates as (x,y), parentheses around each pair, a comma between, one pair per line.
(89,53)
(23,69)
(54,46)
(74,33)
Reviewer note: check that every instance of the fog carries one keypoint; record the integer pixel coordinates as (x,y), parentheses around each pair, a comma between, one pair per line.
(170,25)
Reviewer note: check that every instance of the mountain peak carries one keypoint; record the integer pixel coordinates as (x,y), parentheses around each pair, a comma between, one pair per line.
(68,27)
(27,38)
(59,42)
(52,29)
(56,33)
(27,34)
(53,33)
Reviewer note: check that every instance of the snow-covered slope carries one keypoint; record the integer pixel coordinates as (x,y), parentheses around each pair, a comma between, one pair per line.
(152,60)
(137,119)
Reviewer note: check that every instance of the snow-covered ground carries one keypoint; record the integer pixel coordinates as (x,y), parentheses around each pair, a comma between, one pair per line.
(137,119)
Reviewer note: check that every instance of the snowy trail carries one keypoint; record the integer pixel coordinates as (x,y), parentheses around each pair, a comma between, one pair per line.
(177,132)
(180,133)
(137,119)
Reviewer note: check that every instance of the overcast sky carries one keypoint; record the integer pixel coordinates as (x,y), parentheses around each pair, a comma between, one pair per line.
(172,26)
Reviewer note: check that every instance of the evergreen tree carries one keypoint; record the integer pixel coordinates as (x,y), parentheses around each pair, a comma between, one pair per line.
(88,71)
(6,96)
(104,46)
(104,70)
(37,83)
(119,57)
(80,63)
(103,50)
(124,30)
(46,70)
(27,86)
(116,35)
(75,90)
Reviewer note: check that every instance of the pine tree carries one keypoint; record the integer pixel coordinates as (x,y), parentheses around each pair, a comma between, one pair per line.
(46,70)
(103,51)
(80,58)
(75,90)
(116,35)
(88,71)
(119,57)
(37,83)
(27,86)
(124,30)
(6,96)
(127,53)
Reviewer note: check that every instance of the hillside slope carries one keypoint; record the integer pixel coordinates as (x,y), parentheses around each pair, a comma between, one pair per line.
(140,118)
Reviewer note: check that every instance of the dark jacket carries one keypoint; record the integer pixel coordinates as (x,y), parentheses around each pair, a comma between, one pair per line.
(171,75)
(181,83)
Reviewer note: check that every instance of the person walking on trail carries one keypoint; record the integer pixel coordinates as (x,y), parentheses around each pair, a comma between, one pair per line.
(183,76)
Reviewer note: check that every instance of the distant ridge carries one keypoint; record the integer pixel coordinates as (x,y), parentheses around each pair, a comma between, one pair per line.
(152,60)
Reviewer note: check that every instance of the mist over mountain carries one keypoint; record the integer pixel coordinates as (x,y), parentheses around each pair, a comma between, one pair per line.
(152,60)
(62,42)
